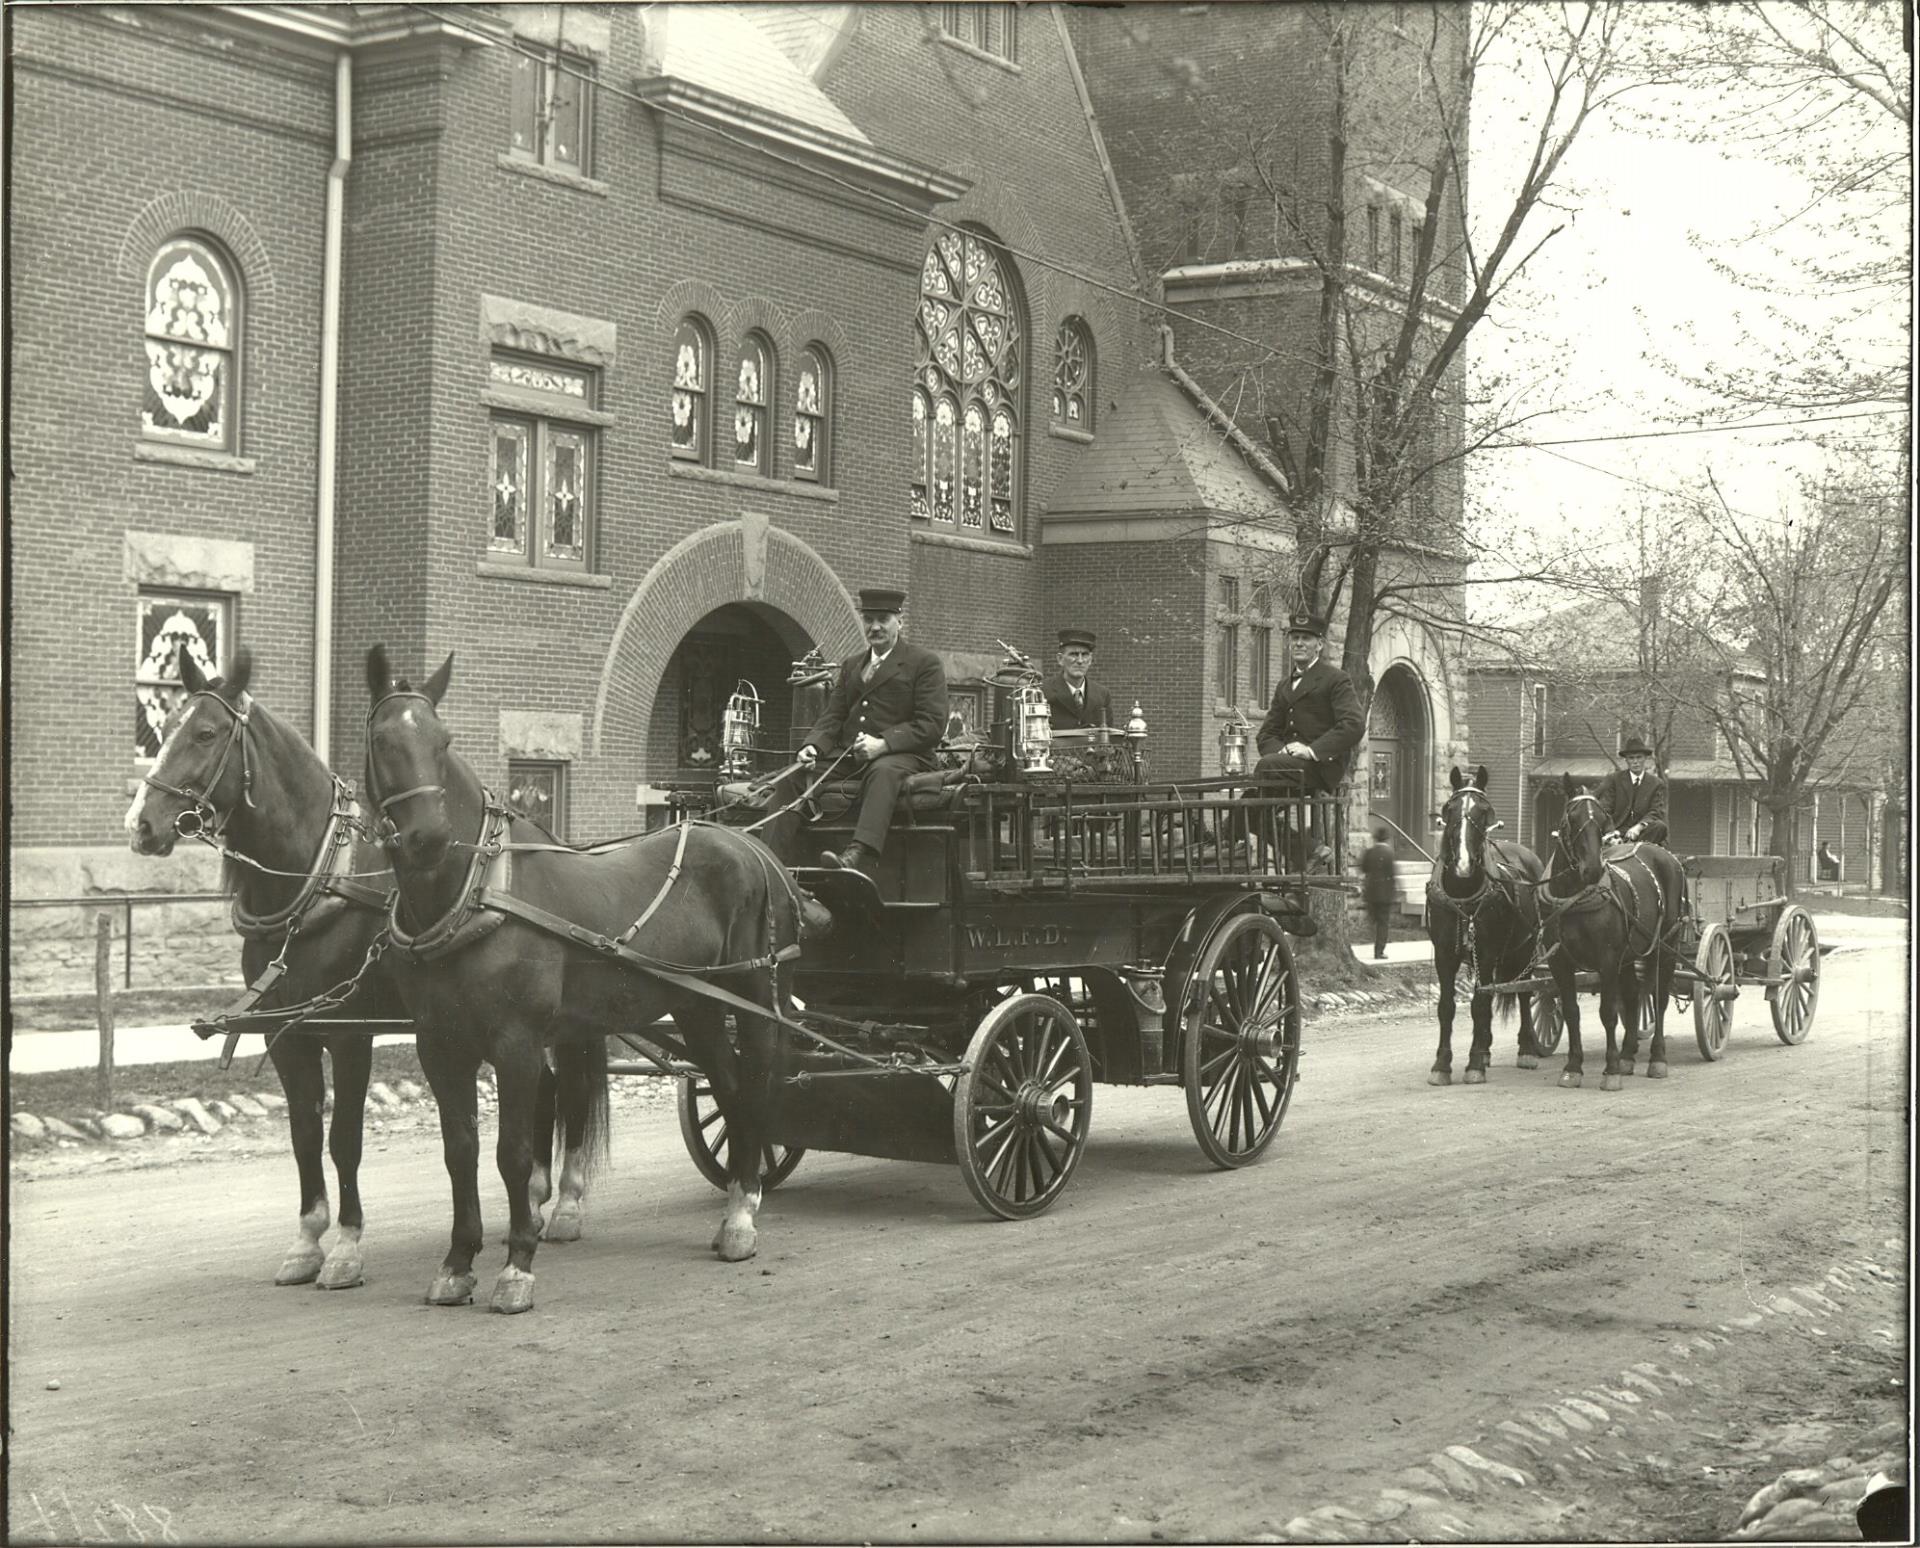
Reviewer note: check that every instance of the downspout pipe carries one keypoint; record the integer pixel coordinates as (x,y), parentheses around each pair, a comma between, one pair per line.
(330,406)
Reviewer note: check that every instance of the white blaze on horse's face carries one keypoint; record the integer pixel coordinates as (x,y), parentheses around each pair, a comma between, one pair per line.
(1462,857)
(144,841)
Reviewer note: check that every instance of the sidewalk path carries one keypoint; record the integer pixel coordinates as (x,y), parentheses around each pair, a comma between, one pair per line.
(34,1052)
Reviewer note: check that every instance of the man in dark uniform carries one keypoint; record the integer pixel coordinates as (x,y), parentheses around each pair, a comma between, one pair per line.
(1635,798)
(889,710)
(1378,888)
(1314,722)
(1075,700)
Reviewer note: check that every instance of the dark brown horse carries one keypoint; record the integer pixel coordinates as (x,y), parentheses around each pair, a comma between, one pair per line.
(1481,914)
(1616,913)
(493,985)
(231,772)
(309,892)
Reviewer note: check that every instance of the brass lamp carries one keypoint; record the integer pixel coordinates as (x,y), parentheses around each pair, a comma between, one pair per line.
(740,729)
(1136,735)
(1033,722)
(1233,743)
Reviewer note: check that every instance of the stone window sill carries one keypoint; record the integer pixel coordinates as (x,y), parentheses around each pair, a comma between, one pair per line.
(191,457)
(974,51)
(509,162)
(539,577)
(1067,433)
(971,544)
(699,473)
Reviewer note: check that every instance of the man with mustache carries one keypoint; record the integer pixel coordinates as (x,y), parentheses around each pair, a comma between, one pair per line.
(888,710)
(1314,722)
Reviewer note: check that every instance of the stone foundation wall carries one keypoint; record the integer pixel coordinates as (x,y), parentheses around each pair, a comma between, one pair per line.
(175,945)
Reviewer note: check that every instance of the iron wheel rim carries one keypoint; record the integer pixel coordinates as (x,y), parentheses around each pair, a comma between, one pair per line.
(1240,1053)
(1712,1016)
(1796,946)
(1022,1110)
(704,1129)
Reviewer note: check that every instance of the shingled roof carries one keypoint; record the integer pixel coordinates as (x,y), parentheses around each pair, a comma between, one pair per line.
(1159,453)
(720,48)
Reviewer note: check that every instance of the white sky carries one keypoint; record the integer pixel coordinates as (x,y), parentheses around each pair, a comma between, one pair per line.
(1625,287)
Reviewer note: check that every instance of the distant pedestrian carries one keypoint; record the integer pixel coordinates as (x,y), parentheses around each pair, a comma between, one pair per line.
(1378,888)
(1829,862)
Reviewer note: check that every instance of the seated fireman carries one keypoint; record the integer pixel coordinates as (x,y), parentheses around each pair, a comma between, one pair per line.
(1635,798)
(1314,722)
(889,710)
(1074,700)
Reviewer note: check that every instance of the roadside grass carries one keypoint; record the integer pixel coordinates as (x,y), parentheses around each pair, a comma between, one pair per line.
(70,1093)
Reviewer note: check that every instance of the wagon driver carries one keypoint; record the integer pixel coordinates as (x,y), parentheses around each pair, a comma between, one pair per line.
(1314,721)
(888,710)
(1635,798)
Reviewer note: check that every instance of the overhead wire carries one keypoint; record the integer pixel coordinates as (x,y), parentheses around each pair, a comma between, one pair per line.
(1267,350)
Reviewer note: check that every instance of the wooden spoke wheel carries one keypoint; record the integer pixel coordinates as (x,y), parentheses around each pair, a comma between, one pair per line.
(1712,971)
(1240,1044)
(1795,957)
(1548,1023)
(704,1129)
(1021,1112)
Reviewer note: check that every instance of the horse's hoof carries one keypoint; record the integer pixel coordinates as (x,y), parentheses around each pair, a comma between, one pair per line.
(1656,1072)
(300,1265)
(451,1290)
(513,1291)
(1571,1078)
(343,1270)
(1439,1077)
(1527,1062)
(565,1224)
(735,1244)
(1626,1072)
(1612,1082)
(1476,1077)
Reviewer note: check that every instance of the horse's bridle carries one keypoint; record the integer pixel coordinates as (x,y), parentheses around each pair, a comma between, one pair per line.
(385,826)
(1560,843)
(206,818)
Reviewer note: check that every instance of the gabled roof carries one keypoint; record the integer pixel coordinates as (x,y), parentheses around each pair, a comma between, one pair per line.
(1157,452)
(720,48)
(1601,634)
(806,34)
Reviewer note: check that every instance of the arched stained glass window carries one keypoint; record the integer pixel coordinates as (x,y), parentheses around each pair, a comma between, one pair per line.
(1073,376)
(753,389)
(812,415)
(969,336)
(193,344)
(692,374)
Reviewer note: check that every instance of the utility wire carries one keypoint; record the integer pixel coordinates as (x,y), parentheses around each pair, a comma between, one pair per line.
(1267,350)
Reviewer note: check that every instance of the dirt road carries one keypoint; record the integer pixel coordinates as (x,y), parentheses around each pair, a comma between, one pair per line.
(1172,1353)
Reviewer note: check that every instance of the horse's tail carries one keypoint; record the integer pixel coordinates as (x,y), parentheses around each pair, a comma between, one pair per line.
(580,1120)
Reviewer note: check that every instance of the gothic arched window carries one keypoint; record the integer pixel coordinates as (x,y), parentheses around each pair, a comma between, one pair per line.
(193,347)
(1073,376)
(692,384)
(813,415)
(752,393)
(968,387)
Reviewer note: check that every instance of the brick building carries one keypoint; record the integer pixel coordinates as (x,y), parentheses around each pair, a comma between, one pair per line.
(612,348)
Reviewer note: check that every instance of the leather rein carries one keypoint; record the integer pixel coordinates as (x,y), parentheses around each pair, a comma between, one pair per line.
(205,817)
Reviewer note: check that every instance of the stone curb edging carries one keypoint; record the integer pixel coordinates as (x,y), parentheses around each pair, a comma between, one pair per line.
(1423,1502)
(189,1115)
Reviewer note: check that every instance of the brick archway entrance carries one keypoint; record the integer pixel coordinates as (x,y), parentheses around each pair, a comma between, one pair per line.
(784,586)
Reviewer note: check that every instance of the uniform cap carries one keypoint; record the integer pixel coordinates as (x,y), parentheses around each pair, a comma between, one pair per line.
(1080,637)
(1306,623)
(881,599)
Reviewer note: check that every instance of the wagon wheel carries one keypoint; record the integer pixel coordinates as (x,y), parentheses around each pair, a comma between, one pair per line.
(1713,970)
(1794,956)
(1240,1043)
(1020,1112)
(705,1132)
(1548,1023)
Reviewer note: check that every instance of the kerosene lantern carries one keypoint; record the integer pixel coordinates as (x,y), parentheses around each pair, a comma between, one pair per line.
(1233,744)
(740,729)
(1136,735)
(1033,722)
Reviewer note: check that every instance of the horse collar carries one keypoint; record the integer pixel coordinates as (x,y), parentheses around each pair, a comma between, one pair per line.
(469,920)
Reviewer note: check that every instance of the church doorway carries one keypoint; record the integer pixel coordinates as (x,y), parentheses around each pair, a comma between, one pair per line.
(740,643)
(1399,745)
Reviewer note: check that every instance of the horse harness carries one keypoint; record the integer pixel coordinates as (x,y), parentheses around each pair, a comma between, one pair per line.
(1505,888)
(1554,909)
(205,815)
